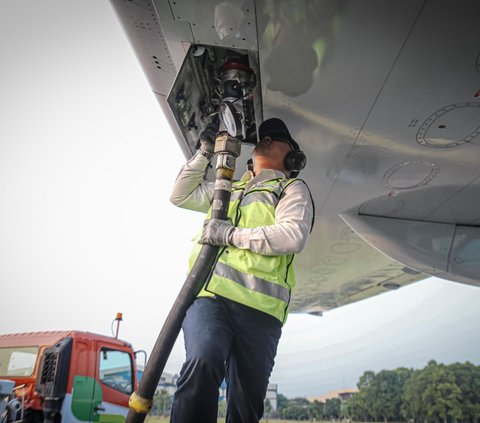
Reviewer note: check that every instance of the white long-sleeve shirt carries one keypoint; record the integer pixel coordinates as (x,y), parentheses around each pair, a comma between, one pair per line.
(293,214)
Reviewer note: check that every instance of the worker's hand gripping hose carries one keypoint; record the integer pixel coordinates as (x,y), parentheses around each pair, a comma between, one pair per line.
(227,149)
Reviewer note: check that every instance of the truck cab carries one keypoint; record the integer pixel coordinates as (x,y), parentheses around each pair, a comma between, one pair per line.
(67,376)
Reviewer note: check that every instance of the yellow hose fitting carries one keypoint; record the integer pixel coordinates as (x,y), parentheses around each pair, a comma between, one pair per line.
(139,404)
(224,173)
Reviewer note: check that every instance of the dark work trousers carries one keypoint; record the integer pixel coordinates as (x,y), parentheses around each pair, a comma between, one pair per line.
(224,339)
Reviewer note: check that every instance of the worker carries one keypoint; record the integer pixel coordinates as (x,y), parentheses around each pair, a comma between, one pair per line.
(232,329)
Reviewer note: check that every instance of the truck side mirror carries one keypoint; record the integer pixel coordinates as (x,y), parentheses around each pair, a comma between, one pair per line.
(145,356)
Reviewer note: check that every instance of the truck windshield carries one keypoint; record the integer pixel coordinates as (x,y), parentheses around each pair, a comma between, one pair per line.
(18,361)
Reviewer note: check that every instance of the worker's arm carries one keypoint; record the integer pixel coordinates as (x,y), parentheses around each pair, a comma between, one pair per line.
(289,234)
(190,190)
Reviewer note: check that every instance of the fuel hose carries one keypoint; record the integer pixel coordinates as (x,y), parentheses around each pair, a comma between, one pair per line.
(227,149)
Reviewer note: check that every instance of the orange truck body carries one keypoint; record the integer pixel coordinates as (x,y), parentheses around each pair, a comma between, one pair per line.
(74,377)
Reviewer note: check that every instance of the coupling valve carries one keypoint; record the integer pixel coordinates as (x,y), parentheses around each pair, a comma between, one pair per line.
(228,149)
(225,144)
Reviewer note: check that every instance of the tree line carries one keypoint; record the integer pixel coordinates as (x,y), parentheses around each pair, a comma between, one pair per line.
(438,393)
(290,409)
(302,409)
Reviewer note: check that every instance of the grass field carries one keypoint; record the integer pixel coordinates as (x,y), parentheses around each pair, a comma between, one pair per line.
(165,420)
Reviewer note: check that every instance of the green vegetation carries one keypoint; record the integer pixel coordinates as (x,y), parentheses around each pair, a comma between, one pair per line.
(157,419)
(162,404)
(438,393)
(301,409)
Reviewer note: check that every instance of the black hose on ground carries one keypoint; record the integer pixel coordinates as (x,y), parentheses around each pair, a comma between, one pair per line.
(140,403)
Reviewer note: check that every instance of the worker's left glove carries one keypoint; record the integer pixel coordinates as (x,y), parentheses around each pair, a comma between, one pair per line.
(217,232)
(206,143)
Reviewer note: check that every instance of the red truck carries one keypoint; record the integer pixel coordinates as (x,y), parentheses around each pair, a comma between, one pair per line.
(64,377)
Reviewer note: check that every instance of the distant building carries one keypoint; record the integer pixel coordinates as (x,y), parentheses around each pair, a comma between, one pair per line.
(344,394)
(222,395)
(272,395)
(168,382)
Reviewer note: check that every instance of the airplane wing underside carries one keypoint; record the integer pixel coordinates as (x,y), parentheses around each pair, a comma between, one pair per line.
(384,99)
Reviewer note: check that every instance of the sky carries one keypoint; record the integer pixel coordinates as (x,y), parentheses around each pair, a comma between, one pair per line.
(87,163)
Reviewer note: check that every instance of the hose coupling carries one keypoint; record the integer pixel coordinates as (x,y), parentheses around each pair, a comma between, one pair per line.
(139,404)
(225,144)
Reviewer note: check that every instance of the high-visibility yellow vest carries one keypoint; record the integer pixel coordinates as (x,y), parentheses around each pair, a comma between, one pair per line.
(262,282)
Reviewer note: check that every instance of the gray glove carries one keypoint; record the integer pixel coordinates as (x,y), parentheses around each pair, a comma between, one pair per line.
(207,139)
(216,232)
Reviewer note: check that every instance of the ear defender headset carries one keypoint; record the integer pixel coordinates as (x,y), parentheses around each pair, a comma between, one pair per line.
(296,160)
(276,129)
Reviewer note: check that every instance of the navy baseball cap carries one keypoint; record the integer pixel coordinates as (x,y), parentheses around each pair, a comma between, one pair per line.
(276,129)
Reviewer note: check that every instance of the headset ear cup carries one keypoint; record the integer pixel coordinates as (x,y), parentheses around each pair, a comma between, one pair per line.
(250,165)
(289,159)
(295,161)
(301,160)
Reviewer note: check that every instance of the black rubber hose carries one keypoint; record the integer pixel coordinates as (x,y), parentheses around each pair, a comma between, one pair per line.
(173,324)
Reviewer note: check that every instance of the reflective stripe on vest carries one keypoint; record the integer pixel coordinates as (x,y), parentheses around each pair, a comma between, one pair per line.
(252,282)
(255,280)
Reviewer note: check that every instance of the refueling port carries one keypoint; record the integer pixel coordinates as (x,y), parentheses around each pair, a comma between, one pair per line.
(238,85)
(210,76)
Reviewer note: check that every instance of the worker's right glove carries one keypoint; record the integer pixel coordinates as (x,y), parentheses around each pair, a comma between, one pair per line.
(207,139)
(216,232)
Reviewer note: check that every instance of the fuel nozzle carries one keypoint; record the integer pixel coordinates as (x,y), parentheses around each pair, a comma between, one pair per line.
(236,108)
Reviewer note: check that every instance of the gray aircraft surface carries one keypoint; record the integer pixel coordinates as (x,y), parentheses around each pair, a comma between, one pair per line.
(382,95)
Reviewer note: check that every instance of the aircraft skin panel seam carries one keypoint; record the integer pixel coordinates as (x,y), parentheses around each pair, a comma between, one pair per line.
(258,87)
(406,219)
(258,76)
(360,291)
(173,16)
(449,256)
(171,10)
(347,157)
(342,300)
(380,285)
(477,178)
(139,42)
